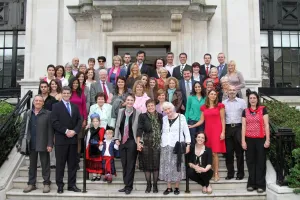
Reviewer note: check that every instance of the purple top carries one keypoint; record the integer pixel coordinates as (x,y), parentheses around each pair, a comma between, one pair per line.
(159,110)
(80,102)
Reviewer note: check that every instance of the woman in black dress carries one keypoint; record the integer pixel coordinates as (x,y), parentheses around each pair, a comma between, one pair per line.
(148,141)
(200,161)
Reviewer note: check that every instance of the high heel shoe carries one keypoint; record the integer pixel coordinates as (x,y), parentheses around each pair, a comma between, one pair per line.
(216,177)
(148,188)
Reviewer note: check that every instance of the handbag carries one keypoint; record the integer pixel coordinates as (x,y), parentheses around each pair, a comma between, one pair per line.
(24,146)
(180,146)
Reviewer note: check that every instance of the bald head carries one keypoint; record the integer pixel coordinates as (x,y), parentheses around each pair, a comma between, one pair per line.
(75,62)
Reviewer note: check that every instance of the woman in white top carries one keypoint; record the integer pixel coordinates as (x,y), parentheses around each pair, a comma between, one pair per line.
(101,108)
(172,166)
(60,75)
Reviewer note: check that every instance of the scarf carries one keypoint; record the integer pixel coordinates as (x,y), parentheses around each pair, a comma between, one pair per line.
(110,73)
(128,113)
(156,128)
(171,93)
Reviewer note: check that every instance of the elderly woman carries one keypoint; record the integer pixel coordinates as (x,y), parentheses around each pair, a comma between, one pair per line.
(235,77)
(172,167)
(68,71)
(134,75)
(161,97)
(213,76)
(140,96)
(200,163)
(125,134)
(148,142)
(174,94)
(102,109)
(255,140)
(223,94)
(163,78)
(115,71)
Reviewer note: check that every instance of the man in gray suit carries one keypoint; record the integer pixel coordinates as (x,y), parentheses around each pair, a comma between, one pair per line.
(101,86)
(37,124)
(222,68)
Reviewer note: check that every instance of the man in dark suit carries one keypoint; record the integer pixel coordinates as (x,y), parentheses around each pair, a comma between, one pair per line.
(222,68)
(186,85)
(178,71)
(127,63)
(205,69)
(67,123)
(101,86)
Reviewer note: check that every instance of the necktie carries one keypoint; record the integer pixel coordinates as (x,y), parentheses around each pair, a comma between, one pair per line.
(126,127)
(220,70)
(188,89)
(68,108)
(206,70)
(181,69)
(104,90)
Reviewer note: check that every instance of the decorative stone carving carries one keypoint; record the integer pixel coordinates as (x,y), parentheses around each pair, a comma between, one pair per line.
(107,20)
(176,22)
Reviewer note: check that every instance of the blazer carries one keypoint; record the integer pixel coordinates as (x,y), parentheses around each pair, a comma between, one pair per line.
(203,70)
(135,119)
(176,71)
(183,90)
(61,121)
(206,158)
(176,100)
(44,130)
(96,88)
(145,126)
(146,70)
(224,71)
(202,78)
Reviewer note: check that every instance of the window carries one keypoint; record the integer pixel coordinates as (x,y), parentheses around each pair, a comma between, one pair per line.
(12,51)
(285,67)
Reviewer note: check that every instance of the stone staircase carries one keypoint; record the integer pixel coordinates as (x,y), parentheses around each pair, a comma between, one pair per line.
(223,189)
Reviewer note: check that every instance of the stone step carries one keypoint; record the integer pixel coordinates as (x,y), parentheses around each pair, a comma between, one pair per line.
(21,183)
(23,172)
(240,194)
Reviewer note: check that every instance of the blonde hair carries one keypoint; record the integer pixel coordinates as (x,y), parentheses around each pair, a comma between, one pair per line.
(138,82)
(232,62)
(132,66)
(160,92)
(162,69)
(172,79)
(117,57)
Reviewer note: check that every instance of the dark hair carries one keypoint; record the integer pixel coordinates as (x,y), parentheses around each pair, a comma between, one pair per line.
(84,77)
(42,82)
(59,67)
(170,53)
(248,93)
(196,64)
(126,54)
(66,88)
(100,94)
(101,58)
(202,89)
(207,104)
(50,66)
(78,90)
(207,54)
(157,60)
(141,52)
(58,83)
(86,73)
(91,60)
(183,54)
(186,69)
(130,95)
(117,87)
(150,101)
(201,132)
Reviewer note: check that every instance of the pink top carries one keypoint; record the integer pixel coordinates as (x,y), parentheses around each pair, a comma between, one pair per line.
(80,102)
(140,103)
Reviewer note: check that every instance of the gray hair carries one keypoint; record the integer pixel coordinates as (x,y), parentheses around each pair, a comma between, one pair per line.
(66,88)
(83,65)
(68,65)
(38,95)
(167,105)
(103,71)
(224,78)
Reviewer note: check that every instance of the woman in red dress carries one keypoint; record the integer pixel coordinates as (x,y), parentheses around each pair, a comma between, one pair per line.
(213,113)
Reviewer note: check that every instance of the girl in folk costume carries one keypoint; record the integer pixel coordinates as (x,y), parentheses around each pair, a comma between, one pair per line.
(109,150)
(94,139)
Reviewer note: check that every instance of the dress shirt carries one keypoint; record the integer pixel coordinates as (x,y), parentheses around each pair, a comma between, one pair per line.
(170,135)
(104,113)
(140,65)
(233,110)
(107,90)
(190,83)
(64,82)
(74,72)
(65,102)
(170,68)
(107,145)
(193,105)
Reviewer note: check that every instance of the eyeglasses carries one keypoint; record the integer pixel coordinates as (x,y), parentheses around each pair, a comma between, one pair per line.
(100,61)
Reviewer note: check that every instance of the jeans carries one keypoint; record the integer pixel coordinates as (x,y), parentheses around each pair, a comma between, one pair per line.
(194,131)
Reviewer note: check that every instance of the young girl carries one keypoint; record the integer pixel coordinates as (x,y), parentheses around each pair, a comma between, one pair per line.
(109,150)
(94,139)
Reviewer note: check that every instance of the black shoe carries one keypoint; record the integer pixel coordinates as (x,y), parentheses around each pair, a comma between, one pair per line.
(155,189)
(94,179)
(239,178)
(122,190)
(74,189)
(176,191)
(250,189)
(60,190)
(228,177)
(78,167)
(127,191)
(148,188)
(98,178)
(259,190)
(52,167)
(168,191)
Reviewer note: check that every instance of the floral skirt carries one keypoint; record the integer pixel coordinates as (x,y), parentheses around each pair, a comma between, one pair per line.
(168,169)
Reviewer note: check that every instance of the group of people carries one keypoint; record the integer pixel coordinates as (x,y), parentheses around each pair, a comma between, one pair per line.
(161,114)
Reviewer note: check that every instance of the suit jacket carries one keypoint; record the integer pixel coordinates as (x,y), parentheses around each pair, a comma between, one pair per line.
(203,70)
(224,71)
(146,70)
(61,121)
(96,88)
(44,130)
(176,71)
(183,90)
(135,119)
(128,69)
